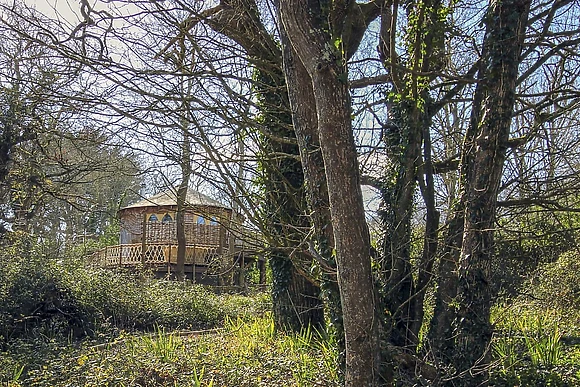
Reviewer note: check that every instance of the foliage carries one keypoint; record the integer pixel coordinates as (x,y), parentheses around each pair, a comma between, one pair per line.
(29,294)
(557,284)
(60,175)
(69,324)
(49,297)
(527,242)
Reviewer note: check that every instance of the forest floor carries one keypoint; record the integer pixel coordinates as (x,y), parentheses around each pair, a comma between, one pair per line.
(242,353)
(78,326)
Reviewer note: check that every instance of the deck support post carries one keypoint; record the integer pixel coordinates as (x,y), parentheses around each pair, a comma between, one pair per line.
(193,256)
(222,279)
(169,261)
(144,240)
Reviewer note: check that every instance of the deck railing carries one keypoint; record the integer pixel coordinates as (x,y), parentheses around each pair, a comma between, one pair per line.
(131,255)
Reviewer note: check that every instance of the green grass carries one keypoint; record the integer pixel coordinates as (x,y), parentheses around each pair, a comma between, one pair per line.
(243,353)
(535,346)
(64,324)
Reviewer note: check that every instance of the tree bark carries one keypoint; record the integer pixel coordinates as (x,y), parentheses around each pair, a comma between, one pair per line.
(411,115)
(296,299)
(506,23)
(398,199)
(305,122)
(431,235)
(285,213)
(181,195)
(180,224)
(440,336)
(328,76)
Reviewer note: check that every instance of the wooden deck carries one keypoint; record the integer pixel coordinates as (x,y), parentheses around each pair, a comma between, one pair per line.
(129,255)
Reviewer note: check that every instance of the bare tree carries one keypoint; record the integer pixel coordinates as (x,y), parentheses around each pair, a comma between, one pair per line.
(326,66)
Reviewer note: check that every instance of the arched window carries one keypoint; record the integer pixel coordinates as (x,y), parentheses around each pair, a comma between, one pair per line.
(200,220)
(153,218)
(167,218)
(213,221)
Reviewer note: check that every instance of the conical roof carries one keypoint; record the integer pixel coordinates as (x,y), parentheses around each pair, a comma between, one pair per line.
(169,198)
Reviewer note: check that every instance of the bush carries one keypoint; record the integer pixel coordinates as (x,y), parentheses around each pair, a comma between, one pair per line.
(557,284)
(52,306)
(44,296)
(137,301)
(526,242)
(31,299)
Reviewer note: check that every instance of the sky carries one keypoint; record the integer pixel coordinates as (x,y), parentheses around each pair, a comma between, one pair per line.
(66,10)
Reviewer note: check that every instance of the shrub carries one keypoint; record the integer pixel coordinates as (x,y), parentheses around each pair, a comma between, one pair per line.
(557,284)
(526,242)
(137,301)
(31,299)
(49,296)
(52,306)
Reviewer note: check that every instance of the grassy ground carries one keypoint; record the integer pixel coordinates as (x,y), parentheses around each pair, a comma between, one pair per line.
(532,347)
(536,346)
(242,353)
(63,324)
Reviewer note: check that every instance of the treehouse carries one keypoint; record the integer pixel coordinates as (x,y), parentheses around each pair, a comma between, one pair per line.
(148,237)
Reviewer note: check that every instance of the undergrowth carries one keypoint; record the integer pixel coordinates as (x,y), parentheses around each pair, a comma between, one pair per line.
(43,296)
(243,353)
(535,347)
(51,307)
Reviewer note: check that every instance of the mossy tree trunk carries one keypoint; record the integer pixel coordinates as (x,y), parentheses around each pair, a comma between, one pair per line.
(408,142)
(305,122)
(506,24)
(296,297)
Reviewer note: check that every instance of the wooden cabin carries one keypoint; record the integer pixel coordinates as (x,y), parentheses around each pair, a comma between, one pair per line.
(148,237)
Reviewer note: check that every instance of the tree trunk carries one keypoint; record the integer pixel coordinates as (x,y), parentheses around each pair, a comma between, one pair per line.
(185,165)
(431,236)
(396,216)
(407,277)
(285,201)
(285,210)
(440,332)
(294,298)
(180,224)
(329,81)
(506,23)
(305,122)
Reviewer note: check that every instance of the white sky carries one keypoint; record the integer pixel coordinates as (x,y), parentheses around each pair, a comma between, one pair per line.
(65,10)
